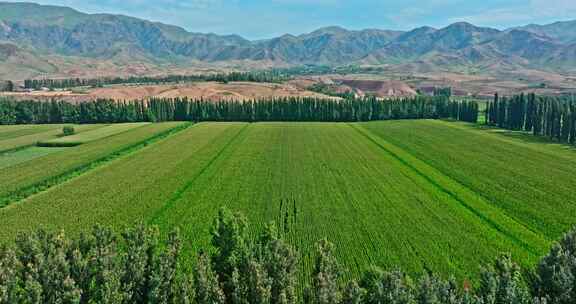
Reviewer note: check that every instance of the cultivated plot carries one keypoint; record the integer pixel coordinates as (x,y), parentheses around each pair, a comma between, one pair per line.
(531,182)
(18,137)
(24,155)
(25,174)
(88,136)
(373,189)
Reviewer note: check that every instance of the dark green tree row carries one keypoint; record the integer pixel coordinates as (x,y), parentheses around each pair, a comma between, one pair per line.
(464,111)
(330,90)
(6,86)
(446,91)
(315,70)
(275,109)
(140,266)
(553,117)
(275,76)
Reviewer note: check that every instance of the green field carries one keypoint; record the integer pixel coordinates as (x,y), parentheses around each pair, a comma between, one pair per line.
(421,195)
(20,176)
(19,156)
(22,136)
(92,135)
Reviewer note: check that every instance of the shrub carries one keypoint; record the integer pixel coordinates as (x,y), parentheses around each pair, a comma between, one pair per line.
(68,130)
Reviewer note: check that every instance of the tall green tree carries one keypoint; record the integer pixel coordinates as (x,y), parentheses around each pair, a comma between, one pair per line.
(326,276)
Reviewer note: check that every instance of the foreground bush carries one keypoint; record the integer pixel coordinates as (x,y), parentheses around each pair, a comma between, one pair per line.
(68,130)
(138,266)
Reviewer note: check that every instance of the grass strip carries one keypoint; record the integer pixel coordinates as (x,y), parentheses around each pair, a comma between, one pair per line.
(48,183)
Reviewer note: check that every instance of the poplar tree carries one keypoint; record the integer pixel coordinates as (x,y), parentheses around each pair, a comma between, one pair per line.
(325,282)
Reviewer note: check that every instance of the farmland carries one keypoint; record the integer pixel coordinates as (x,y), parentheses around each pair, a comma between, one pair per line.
(84,137)
(422,195)
(23,178)
(17,137)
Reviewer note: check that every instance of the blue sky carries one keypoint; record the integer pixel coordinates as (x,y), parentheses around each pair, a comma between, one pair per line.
(257,19)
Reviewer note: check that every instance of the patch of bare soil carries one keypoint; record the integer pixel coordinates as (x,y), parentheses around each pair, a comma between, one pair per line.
(380,88)
(206,90)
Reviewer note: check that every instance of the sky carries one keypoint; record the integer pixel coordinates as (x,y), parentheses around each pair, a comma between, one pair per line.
(260,19)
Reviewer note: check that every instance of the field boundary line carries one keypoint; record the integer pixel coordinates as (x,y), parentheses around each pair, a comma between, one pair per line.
(499,134)
(35,143)
(14,150)
(478,132)
(525,233)
(26,192)
(75,144)
(177,195)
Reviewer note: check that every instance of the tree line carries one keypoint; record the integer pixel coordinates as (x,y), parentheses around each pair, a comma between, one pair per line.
(6,86)
(442,91)
(267,109)
(273,76)
(140,266)
(549,116)
(330,90)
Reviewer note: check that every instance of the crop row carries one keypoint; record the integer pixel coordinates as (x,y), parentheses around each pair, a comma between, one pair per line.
(26,178)
(378,203)
(531,182)
(328,180)
(19,137)
(85,137)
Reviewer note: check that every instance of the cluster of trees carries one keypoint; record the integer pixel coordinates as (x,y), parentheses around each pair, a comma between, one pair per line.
(255,76)
(274,109)
(139,266)
(464,111)
(313,69)
(447,91)
(330,90)
(6,86)
(553,117)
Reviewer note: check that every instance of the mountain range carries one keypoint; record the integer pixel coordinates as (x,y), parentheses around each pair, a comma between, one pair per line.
(32,33)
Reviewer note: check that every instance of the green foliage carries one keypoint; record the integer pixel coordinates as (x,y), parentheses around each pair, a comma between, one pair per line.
(503,283)
(348,109)
(330,91)
(261,271)
(280,263)
(388,287)
(553,117)
(229,237)
(206,284)
(353,294)
(68,130)
(326,276)
(6,86)
(360,182)
(556,272)
(446,92)
(255,76)
(136,266)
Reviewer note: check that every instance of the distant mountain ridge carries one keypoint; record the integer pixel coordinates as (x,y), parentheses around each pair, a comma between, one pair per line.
(39,29)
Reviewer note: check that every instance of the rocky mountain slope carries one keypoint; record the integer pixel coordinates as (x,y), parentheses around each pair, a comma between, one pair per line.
(31,32)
